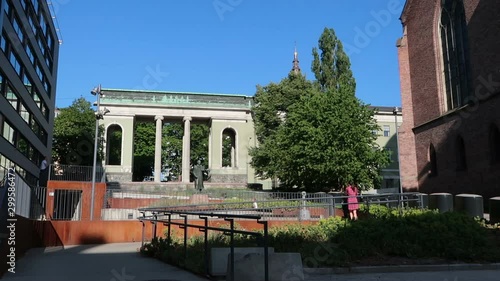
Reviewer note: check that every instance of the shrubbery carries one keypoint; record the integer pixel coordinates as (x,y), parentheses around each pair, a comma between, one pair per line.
(382,232)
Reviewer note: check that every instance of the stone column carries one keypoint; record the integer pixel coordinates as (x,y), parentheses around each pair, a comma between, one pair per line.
(210,146)
(186,150)
(159,125)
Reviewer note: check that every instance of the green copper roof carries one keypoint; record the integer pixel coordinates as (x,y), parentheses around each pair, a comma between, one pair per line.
(164,98)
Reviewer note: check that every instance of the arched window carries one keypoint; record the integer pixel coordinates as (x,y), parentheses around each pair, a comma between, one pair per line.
(494,144)
(432,161)
(229,148)
(460,154)
(453,29)
(114,145)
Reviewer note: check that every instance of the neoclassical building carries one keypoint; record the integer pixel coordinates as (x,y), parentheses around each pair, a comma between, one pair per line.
(449,59)
(227,115)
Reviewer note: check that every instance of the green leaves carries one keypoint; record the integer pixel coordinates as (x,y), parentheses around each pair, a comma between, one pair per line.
(74,130)
(317,135)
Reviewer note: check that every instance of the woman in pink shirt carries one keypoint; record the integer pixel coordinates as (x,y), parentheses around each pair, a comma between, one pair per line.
(352,201)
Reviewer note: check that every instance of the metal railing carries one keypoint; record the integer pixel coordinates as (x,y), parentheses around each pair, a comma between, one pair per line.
(75,173)
(174,198)
(165,217)
(306,208)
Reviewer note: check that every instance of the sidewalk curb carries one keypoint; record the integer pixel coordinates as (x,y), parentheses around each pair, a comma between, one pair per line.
(400,268)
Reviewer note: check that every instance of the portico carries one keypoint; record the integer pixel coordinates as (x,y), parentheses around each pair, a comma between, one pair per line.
(225,115)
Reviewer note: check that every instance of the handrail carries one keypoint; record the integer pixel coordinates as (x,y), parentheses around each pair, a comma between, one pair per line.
(154,219)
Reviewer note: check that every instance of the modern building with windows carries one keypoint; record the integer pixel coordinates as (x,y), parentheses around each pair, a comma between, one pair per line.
(28,72)
(449,62)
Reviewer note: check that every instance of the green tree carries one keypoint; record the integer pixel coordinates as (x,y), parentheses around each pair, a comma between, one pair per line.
(317,138)
(74,130)
(115,144)
(327,142)
(332,68)
(144,150)
(272,104)
(172,146)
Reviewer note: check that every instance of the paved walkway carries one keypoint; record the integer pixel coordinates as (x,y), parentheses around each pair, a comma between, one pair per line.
(468,275)
(109,262)
(122,262)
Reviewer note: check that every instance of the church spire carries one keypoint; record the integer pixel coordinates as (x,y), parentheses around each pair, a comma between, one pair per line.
(296,67)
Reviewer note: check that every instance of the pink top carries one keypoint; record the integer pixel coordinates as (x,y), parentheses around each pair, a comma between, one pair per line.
(351,190)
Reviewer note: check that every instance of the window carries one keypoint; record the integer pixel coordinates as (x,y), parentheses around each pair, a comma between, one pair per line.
(43,25)
(460,152)
(25,114)
(35,5)
(229,148)
(18,29)
(433,171)
(11,97)
(3,43)
(39,72)
(7,8)
(8,132)
(387,130)
(494,144)
(453,29)
(31,22)
(29,52)
(15,63)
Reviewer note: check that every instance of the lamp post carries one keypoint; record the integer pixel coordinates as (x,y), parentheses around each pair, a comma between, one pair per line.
(395,112)
(99,114)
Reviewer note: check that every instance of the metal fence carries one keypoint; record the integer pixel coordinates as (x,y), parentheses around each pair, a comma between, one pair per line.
(308,207)
(75,173)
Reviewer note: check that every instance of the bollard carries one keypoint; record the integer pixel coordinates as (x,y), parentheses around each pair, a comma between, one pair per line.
(495,210)
(471,204)
(336,203)
(443,202)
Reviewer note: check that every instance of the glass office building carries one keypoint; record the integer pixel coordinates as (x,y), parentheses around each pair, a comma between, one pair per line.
(28,73)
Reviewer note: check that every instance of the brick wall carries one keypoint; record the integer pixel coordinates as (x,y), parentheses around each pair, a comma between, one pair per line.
(425,120)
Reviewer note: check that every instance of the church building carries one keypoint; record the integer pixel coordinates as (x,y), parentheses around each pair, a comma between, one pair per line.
(449,60)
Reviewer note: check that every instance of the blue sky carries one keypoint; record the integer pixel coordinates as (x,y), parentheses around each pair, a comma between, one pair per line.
(220,46)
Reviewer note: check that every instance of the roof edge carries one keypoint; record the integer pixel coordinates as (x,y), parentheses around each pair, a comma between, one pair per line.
(175,92)
(406,7)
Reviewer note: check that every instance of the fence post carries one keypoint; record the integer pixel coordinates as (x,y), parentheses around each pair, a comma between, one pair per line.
(207,265)
(185,238)
(154,225)
(266,253)
(142,239)
(168,228)
(231,244)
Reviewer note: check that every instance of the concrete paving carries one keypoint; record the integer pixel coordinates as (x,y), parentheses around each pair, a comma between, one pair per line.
(109,262)
(122,262)
(467,275)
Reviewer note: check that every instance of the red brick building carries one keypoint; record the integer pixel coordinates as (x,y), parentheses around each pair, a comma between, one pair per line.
(449,60)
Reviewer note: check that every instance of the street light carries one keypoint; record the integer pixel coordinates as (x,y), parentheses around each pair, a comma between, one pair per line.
(99,114)
(395,112)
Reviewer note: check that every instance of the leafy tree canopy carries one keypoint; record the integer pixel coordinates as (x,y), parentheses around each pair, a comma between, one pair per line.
(316,135)
(74,130)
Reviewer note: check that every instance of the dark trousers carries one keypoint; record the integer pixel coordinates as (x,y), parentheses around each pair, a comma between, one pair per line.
(44,177)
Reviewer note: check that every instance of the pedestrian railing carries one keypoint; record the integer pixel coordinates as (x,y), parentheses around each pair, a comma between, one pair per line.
(75,173)
(158,215)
